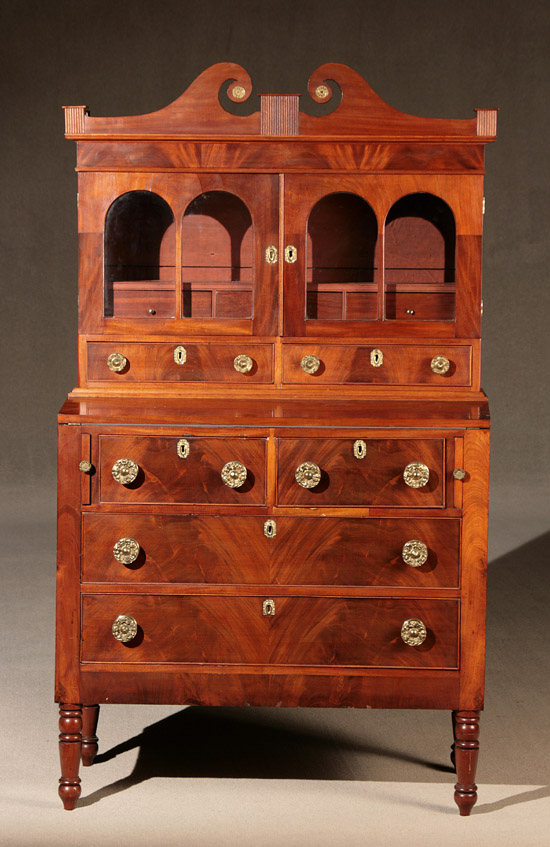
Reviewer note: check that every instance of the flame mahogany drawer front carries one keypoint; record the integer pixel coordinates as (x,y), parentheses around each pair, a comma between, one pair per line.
(303,551)
(303,631)
(376,479)
(399,364)
(202,362)
(163,476)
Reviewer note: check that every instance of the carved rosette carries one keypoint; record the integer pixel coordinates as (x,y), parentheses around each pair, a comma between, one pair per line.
(126,550)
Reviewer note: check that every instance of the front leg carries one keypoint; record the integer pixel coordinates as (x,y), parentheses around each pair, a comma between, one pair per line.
(90,715)
(70,742)
(466,751)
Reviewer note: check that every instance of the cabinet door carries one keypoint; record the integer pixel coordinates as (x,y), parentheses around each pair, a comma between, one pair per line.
(380,255)
(178,253)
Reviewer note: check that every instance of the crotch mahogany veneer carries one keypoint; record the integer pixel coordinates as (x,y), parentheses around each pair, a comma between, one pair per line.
(273,473)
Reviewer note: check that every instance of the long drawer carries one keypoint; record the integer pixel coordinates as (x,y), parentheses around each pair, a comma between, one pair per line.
(381,364)
(301,631)
(174,470)
(235,362)
(388,472)
(222,549)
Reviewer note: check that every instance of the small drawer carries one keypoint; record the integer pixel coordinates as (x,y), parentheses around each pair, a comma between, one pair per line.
(284,631)
(240,363)
(377,364)
(173,469)
(233,549)
(326,472)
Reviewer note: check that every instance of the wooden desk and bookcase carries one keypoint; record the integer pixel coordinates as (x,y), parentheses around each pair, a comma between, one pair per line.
(273,473)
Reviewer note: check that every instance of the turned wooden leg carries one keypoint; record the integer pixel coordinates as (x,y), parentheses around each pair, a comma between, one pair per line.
(70,739)
(453,720)
(466,749)
(90,715)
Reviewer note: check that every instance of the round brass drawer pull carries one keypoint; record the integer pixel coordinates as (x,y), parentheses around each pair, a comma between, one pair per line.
(459,473)
(126,550)
(440,365)
(416,474)
(414,553)
(85,466)
(125,471)
(308,475)
(243,363)
(310,364)
(124,628)
(413,632)
(116,362)
(234,474)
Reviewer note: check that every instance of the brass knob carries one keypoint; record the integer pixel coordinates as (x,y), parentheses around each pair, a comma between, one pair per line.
(308,475)
(126,550)
(310,364)
(459,473)
(414,553)
(440,365)
(413,632)
(243,364)
(416,474)
(125,471)
(234,474)
(124,628)
(85,466)
(117,362)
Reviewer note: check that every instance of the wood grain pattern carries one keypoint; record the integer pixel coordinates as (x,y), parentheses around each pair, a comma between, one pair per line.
(154,362)
(402,365)
(303,631)
(230,549)
(377,479)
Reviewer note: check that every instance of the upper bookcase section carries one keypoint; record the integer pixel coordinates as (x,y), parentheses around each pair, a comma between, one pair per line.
(353,111)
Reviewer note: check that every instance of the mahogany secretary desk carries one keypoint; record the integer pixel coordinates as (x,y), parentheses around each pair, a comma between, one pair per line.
(273,474)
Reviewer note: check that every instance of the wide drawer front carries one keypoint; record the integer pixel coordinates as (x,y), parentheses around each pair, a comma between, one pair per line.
(386,472)
(240,363)
(222,549)
(311,364)
(298,631)
(163,469)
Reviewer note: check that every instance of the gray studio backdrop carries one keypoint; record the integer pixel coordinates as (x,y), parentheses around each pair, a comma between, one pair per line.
(429,58)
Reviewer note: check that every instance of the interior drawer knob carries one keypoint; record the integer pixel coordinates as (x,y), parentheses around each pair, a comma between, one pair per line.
(310,364)
(243,364)
(414,553)
(440,365)
(459,473)
(308,475)
(117,362)
(124,628)
(413,632)
(126,550)
(416,474)
(234,474)
(125,471)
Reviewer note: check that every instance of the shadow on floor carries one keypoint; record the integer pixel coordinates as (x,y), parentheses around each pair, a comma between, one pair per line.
(254,743)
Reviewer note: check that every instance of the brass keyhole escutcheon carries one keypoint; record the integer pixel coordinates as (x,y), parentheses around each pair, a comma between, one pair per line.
(291,254)
(414,553)
(416,474)
(182,448)
(124,628)
(270,528)
(125,471)
(271,254)
(359,449)
(268,607)
(413,632)
(180,355)
(376,358)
